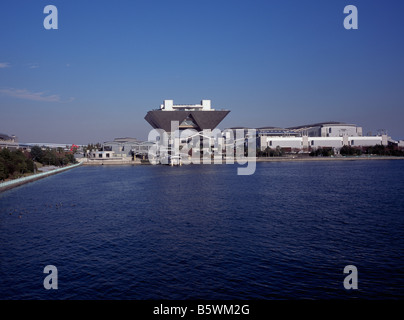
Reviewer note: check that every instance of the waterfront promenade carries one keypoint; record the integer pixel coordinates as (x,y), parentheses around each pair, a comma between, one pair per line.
(17,182)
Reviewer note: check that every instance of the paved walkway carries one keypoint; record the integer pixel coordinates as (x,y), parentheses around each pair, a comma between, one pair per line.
(17,182)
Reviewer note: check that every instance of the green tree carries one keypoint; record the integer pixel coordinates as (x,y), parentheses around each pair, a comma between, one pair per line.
(3,169)
(14,163)
(70,158)
(37,154)
(350,151)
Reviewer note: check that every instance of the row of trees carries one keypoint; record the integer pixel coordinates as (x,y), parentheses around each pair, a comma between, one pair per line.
(323,152)
(350,151)
(92,147)
(373,150)
(52,157)
(344,151)
(269,152)
(16,163)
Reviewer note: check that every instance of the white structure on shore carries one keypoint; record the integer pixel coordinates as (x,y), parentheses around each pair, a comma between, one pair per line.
(9,142)
(119,151)
(305,142)
(321,135)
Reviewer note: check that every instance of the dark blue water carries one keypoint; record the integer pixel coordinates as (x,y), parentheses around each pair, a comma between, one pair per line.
(157,232)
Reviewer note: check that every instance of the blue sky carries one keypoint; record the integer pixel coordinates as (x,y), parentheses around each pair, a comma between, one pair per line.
(272,63)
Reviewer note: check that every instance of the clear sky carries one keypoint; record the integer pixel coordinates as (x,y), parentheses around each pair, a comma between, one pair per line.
(272,63)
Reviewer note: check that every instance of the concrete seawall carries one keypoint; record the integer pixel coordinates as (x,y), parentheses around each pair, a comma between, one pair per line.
(106,161)
(109,162)
(20,181)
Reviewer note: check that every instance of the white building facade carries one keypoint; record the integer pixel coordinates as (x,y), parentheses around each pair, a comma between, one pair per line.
(168,105)
(322,135)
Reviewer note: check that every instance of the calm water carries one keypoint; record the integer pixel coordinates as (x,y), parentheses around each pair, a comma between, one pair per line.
(156,232)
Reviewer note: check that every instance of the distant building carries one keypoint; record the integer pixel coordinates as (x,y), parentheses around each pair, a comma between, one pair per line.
(9,142)
(44,146)
(196,117)
(127,148)
(320,135)
(102,155)
(190,116)
(329,129)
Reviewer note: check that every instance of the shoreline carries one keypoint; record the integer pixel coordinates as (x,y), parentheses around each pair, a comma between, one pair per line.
(101,162)
(257,159)
(110,163)
(4,186)
(275,159)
